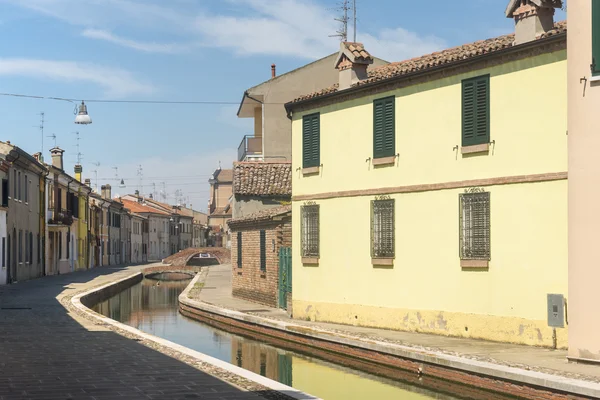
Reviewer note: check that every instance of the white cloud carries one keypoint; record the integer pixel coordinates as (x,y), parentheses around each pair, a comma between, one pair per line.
(115,82)
(294,28)
(146,47)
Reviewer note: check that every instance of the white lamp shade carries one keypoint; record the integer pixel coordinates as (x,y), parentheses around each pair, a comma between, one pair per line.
(82,117)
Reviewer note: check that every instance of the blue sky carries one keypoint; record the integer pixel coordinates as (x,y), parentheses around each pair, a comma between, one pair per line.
(186,50)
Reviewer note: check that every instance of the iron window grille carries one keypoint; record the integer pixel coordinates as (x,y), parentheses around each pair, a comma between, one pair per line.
(475,225)
(263,251)
(382,228)
(310,230)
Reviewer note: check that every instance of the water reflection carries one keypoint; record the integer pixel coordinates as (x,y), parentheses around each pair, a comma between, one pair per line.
(151,306)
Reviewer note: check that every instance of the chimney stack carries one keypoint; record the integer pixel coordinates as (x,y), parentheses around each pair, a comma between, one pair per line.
(88,182)
(352,63)
(38,157)
(532,18)
(151,196)
(57,157)
(273,71)
(106,192)
(78,171)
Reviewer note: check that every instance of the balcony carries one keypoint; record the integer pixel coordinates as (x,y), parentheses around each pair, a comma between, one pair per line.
(251,147)
(64,217)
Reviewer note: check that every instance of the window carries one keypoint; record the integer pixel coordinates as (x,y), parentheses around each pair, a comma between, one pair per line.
(239,249)
(60,245)
(19,193)
(15,192)
(475,226)
(26,247)
(310,231)
(310,141)
(382,228)
(476,111)
(31,247)
(3,252)
(263,251)
(26,184)
(68,245)
(20,246)
(51,197)
(595,65)
(384,127)
(4,192)
(39,249)
(59,205)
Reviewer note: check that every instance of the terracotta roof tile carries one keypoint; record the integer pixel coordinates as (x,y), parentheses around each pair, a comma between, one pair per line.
(262,179)
(358,50)
(437,59)
(263,215)
(140,208)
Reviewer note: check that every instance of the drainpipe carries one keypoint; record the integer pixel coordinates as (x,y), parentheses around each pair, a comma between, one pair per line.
(69,230)
(44,203)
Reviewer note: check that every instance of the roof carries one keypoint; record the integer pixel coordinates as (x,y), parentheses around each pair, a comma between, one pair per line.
(221,211)
(262,179)
(223,175)
(438,59)
(140,208)
(263,215)
(356,51)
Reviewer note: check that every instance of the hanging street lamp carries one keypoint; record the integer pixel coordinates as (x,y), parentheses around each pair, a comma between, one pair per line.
(82,117)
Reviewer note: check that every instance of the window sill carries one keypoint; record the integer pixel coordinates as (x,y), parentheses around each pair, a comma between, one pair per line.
(310,171)
(383,261)
(477,148)
(384,161)
(595,78)
(474,264)
(310,260)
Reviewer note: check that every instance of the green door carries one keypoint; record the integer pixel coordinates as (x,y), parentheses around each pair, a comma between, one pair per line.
(285,275)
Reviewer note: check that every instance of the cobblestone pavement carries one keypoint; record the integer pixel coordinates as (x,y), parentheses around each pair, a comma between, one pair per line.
(48,353)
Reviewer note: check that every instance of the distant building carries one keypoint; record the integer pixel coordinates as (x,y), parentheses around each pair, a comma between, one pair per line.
(219,207)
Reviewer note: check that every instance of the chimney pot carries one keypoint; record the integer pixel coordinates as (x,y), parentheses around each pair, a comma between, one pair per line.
(107,192)
(352,63)
(273,71)
(88,182)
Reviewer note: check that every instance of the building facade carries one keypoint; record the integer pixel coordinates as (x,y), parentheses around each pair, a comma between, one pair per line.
(4,192)
(219,207)
(425,180)
(257,240)
(271,139)
(25,215)
(584,171)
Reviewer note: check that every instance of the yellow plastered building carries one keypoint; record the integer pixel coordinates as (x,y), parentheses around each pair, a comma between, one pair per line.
(431,195)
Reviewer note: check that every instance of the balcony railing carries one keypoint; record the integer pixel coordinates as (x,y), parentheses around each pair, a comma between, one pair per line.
(250,146)
(64,217)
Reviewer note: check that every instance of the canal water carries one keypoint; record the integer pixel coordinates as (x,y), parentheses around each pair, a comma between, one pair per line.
(152,307)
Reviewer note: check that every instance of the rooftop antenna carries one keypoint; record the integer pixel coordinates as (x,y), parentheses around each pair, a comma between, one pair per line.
(342,33)
(140,174)
(354,18)
(53,136)
(163,194)
(41,128)
(79,154)
(97,164)
(153,189)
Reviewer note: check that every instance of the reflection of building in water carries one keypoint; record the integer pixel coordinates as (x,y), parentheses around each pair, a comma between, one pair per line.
(261,359)
(132,306)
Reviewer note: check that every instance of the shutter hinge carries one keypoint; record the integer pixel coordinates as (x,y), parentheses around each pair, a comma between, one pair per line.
(593,65)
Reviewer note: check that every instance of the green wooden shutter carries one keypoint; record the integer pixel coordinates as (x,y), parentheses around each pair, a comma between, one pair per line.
(595,65)
(239,249)
(476,111)
(311,137)
(384,127)
(263,251)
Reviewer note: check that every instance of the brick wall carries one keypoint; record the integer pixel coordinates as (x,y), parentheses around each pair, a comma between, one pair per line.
(249,282)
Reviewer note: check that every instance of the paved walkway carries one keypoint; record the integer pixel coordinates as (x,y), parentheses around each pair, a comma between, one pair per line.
(48,353)
(217,291)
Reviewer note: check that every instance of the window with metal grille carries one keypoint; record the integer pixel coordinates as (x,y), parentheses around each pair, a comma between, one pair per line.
(475,226)
(239,249)
(382,228)
(310,231)
(263,251)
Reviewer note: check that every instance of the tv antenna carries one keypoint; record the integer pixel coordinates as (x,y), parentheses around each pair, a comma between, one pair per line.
(53,136)
(344,8)
(79,154)
(140,174)
(41,128)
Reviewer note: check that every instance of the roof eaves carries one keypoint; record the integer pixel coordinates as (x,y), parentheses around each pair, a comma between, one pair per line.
(291,105)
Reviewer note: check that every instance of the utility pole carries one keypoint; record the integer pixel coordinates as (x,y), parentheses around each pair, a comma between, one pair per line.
(42,131)
(343,32)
